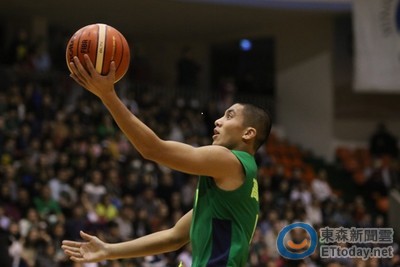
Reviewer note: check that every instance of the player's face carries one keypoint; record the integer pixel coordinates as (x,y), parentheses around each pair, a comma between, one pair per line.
(229,128)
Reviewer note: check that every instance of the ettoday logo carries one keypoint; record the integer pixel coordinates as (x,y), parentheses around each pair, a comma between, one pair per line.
(297,241)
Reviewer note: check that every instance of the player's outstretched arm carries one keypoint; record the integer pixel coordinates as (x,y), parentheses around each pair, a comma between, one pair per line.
(92,249)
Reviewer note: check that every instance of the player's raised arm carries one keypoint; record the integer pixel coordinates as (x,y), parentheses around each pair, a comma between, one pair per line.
(214,161)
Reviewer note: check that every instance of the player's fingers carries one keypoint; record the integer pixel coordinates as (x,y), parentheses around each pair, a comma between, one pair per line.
(74,69)
(80,72)
(89,65)
(113,69)
(70,248)
(86,236)
(71,243)
(77,259)
(72,253)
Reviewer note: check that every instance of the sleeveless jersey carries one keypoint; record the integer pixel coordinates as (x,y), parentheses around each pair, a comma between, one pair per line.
(223,221)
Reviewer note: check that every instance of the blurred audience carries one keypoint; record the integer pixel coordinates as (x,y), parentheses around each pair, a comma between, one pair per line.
(65,167)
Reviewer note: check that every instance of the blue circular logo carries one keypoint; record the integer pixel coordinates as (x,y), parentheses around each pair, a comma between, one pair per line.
(296,245)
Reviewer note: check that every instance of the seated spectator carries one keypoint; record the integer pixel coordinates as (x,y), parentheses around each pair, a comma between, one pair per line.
(24,201)
(60,186)
(382,142)
(141,226)
(105,209)
(112,233)
(13,242)
(41,59)
(301,193)
(320,186)
(314,212)
(95,188)
(30,220)
(46,206)
(76,222)
(35,242)
(4,219)
(125,220)
(57,234)
(48,257)
(340,215)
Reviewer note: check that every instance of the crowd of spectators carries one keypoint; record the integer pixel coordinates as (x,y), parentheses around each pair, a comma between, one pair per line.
(65,167)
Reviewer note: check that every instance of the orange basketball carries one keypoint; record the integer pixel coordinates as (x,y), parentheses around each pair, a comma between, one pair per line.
(103,44)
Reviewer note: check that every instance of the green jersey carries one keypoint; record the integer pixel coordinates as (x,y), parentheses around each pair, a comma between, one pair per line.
(223,221)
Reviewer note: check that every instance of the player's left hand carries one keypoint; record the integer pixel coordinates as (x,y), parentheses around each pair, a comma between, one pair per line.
(89,78)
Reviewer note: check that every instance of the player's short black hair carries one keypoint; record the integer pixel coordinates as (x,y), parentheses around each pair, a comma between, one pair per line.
(260,119)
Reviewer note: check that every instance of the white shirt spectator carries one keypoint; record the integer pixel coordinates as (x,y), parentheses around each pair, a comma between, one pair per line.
(301,193)
(320,187)
(95,189)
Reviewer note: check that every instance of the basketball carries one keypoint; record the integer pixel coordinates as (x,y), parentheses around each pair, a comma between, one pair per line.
(103,44)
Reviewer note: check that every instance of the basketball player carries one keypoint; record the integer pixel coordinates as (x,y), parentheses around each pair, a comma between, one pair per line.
(222,222)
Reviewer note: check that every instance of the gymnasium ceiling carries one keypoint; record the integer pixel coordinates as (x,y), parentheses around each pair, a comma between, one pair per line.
(166,19)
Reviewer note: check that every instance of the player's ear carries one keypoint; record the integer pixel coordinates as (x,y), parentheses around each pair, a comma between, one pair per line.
(249,133)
